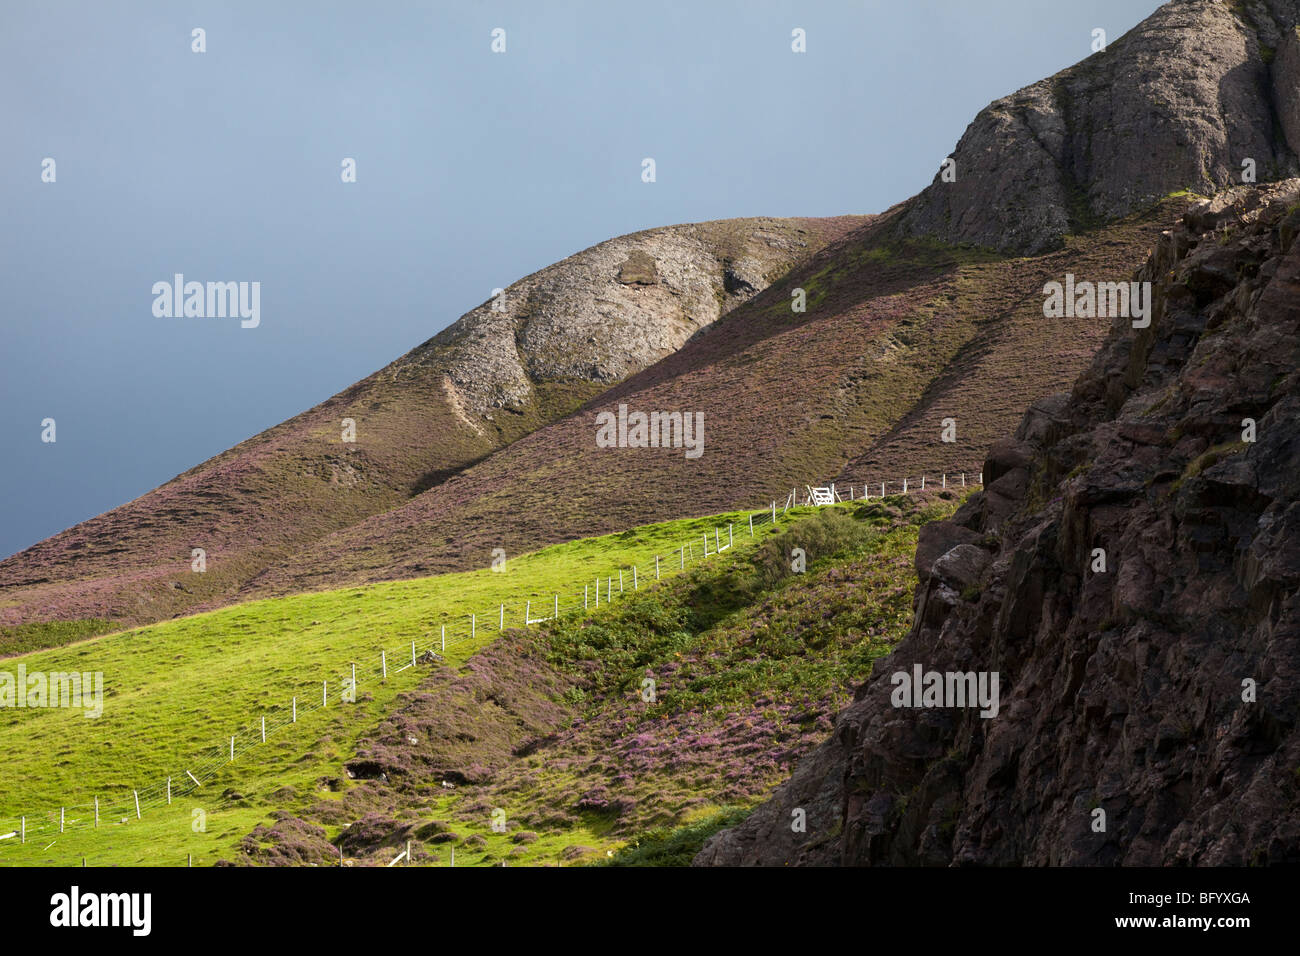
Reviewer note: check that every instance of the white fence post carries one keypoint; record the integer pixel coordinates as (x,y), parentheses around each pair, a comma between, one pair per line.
(585,595)
(383,666)
(23,831)
(557,605)
(635,585)
(473,627)
(945,481)
(444,638)
(706,544)
(295,710)
(904,486)
(751,524)
(232,749)
(137,803)
(923,482)
(412,653)
(598,591)
(194,778)
(263,730)
(731,540)
(963,479)
(528,612)
(60,819)
(501,621)
(882,489)
(656,567)
(620,580)
(683,557)
(324,694)
(981,481)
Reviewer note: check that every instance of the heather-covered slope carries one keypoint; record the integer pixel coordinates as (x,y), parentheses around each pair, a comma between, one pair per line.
(898,334)
(1161,687)
(907,323)
(553,340)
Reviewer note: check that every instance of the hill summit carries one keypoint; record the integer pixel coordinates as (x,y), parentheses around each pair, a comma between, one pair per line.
(862,350)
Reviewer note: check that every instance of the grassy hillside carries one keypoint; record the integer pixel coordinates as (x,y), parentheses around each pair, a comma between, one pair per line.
(545,746)
(566,334)
(898,334)
(175,692)
(736,627)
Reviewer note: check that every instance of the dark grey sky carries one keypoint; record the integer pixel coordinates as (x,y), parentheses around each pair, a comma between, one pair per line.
(474,169)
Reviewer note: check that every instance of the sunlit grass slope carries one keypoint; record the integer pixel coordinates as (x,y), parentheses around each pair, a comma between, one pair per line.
(175,692)
(554,753)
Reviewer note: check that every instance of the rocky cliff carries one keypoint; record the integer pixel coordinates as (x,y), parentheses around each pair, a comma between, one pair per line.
(1179,102)
(1131,575)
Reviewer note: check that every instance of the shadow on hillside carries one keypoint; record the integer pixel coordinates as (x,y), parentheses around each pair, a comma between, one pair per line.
(872,262)
(431,479)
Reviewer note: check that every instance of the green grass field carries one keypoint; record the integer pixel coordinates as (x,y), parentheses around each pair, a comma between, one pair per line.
(175,692)
(752,658)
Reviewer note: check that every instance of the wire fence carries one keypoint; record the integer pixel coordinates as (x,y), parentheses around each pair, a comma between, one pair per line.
(207,764)
(829,494)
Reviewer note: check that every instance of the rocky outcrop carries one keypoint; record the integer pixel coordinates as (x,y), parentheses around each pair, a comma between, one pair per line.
(1179,102)
(1132,575)
(610,310)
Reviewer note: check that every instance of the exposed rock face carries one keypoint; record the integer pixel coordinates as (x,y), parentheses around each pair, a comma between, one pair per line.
(1286,87)
(610,310)
(1163,690)
(1177,103)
